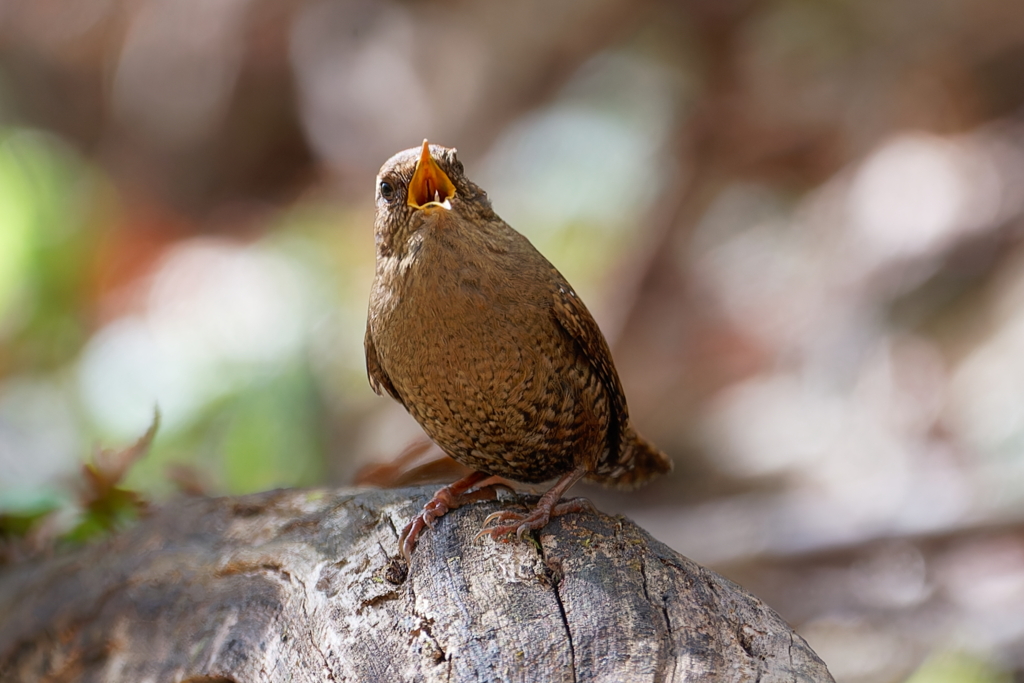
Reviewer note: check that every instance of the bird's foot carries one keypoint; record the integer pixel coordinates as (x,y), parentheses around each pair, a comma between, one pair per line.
(445,500)
(509,521)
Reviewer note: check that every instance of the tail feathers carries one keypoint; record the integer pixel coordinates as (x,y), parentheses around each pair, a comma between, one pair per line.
(639,461)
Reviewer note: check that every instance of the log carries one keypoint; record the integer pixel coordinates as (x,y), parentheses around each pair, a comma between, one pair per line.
(297,585)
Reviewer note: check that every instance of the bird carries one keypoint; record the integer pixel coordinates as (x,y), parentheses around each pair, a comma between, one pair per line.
(491,350)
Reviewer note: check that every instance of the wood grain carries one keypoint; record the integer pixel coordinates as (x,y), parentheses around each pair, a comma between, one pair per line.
(306,586)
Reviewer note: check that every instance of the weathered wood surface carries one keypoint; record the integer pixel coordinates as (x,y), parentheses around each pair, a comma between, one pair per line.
(304,586)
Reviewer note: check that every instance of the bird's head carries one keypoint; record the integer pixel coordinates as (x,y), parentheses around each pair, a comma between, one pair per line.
(423,184)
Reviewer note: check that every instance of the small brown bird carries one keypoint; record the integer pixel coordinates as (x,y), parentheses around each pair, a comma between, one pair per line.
(489,348)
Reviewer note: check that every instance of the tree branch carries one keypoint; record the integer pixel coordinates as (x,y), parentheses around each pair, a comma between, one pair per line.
(306,586)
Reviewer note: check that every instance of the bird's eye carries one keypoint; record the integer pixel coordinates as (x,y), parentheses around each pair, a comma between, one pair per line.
(387,190)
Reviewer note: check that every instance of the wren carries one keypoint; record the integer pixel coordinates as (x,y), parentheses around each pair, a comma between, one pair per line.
(489,348)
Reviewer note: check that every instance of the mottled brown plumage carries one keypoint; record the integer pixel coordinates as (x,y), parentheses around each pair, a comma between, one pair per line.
(489,348)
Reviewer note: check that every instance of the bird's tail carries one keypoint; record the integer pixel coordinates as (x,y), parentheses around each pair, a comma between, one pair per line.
(641,461)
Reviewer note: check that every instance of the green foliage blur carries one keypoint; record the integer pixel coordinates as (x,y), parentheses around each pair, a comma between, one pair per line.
(70,264)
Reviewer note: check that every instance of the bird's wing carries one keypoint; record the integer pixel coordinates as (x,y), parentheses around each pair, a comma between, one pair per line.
(379,380)
(572,315)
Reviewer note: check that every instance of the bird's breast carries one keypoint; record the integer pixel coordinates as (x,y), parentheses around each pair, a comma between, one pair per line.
(451,314)
(469,340)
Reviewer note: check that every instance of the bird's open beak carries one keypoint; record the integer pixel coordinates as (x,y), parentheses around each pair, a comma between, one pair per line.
(429,185)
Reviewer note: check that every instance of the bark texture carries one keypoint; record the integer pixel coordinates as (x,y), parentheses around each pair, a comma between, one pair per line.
(306,586)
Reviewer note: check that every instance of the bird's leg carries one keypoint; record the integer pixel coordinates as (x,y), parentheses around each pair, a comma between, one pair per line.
(546,508)
(449,498)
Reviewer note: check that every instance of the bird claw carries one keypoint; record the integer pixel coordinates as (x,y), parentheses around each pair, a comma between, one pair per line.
(407,539)
(445,500)
(522,524)
(499,530)
(501,516)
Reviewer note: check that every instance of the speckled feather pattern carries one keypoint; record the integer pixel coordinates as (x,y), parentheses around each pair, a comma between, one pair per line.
(488,347)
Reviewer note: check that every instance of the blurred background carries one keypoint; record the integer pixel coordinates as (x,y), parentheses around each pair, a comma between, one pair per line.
(800,224)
